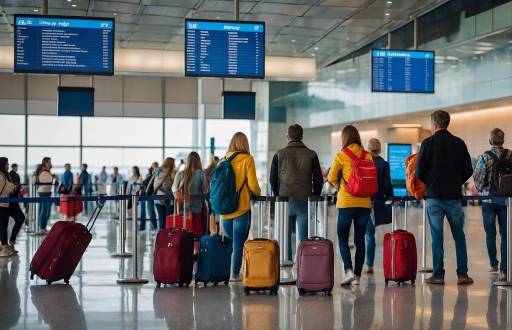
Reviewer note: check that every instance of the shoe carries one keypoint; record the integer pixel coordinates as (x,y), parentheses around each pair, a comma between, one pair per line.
(356,280)
(502,277)
(348,278)
(13,250)
(493,269)
(6,252)
(235,279)
(433,280)
(464,280)
(369,270)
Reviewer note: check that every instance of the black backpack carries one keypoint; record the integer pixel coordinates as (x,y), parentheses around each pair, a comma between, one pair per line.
(500,183)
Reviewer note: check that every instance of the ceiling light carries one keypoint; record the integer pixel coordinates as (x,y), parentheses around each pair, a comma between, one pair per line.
(388,2)
(387,14)
(36,10)
(313,54)
(115,14)
(293,40)
(316,48)
(70,0)
(73,5)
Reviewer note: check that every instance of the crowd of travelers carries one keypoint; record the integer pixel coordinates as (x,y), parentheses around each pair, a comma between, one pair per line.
(443,165)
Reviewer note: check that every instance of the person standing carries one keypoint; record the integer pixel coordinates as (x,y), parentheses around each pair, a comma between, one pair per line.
(237,224)
(44,180)
(116,179)
(67,178)
(350,208)
(379,213)
(147,207)
(15,177)
(444,165)
(495,207)
(103,179)
(8,188)
(85,180)
(212,218)
(295,173)
(162,185)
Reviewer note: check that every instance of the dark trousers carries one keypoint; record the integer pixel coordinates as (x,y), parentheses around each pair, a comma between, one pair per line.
(13,211)
(359,217)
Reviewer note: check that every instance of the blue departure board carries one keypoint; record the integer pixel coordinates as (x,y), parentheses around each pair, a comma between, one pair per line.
(403,71)
(233,49)
(64,45)
(397,154)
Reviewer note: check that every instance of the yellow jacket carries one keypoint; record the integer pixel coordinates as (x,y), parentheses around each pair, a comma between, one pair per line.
(245,171)
(342,163)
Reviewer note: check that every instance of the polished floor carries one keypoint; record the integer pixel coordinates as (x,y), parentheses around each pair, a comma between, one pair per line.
(94,300)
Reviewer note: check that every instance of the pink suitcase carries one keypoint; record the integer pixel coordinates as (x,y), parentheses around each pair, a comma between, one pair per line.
(315,257)
(61,250)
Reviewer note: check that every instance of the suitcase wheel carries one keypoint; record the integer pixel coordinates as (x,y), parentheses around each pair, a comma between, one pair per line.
(328,292)
(158,284)
(247,291)
(302,292)
(31,275)
(66,280)
(214,283)
(386,282)
(226,282)
(48,282)
(274,290)
(413,281)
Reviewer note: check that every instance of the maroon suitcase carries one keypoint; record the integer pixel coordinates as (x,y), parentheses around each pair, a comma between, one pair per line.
(315,258)
(61,250)
(173,257)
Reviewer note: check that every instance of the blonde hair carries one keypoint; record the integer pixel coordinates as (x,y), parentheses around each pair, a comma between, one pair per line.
(193,164)
(168,165)
(374,146)
(239,143)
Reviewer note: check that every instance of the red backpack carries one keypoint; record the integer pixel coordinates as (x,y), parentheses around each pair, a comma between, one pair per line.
(363,178)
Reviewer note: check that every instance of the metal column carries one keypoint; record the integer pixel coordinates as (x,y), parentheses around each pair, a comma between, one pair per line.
(123,205)
(423,268)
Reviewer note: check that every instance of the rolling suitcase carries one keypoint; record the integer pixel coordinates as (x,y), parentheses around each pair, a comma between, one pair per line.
(61,250)
(400,256)
(261,262)
(173,257)
(214,260)
(315,257)
(71,204)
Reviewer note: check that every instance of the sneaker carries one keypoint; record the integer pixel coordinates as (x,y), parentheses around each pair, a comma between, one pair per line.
(369,270)
(235,279)
(356,280)
(503,277)
(6,252)
(433,280)
(464,280)
(493,269)
(13,250)
(348,278)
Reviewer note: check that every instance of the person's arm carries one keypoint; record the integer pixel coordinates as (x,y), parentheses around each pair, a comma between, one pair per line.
(386,181)
(334,173)
(318,178)
(274,175)
(467,166)
(252,180)
(422,164)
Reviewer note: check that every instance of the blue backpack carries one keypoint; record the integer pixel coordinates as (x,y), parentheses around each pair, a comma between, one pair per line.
(224,196)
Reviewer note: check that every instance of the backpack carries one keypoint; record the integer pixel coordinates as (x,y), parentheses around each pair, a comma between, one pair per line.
(362,181)
(500,183)
(415,186)
(224,196)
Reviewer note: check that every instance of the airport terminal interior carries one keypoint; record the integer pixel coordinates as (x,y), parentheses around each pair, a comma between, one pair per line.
(94,92)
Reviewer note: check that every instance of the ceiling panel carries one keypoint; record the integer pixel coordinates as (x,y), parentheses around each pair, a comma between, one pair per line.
(331,12)
(278,8)
(159,37)
(316,23)
(166,11)
(344,3)
(294,39)
(294,30)
(160,20)
(226,6)
(271,19)
(155,29)
(115,6)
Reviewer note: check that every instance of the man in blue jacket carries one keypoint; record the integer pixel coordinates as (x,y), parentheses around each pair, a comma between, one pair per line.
(67,178)
(444,164)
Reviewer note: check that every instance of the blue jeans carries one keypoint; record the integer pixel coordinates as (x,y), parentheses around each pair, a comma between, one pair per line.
(298,222)
(370,242)
(44,212)
(360,217)
(163,211)
(437,209)
(147,207)
(237,229)
(491,212)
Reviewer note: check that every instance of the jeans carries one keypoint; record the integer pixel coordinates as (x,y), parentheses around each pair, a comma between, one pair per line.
(370,242)
(44,212)
(13,211)
(437,209)
(237,229)
(298,222)
(360,217)
(491,212)
(163,211)
(147,207)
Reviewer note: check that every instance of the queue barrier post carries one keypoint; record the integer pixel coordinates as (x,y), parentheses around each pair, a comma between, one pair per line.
(424,268)
(135,246)
(508,281)
(32,214)
(122,229)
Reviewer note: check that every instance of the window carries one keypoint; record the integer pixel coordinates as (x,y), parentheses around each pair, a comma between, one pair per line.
(12,129)
(179,132)
(52,130)
(59,156)
(223,130)
(124,158)
(122,131)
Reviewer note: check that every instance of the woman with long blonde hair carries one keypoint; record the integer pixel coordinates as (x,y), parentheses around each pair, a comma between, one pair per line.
(162,185)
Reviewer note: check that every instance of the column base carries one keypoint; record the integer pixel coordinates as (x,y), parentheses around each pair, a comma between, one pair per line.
(132,281)
(425,270)
(502,283)
(121,255)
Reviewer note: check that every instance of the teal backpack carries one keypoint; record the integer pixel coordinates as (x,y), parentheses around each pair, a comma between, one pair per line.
(224,196)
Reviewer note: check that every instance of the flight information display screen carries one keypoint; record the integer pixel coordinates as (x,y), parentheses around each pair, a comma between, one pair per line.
(64,45)
(231,49)
(397,154)
(403,71)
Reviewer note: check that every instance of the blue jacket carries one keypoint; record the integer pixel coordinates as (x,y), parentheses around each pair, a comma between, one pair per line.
(67,180)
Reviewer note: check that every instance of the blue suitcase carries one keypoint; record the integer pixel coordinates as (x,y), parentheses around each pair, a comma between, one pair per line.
(214,260)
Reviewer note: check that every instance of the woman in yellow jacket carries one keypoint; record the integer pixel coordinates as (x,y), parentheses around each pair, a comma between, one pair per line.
(237,224)
(351,208)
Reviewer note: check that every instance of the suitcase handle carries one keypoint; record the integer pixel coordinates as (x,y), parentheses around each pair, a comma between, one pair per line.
(100,202)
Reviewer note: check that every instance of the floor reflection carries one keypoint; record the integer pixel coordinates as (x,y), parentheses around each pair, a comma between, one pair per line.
(10,301)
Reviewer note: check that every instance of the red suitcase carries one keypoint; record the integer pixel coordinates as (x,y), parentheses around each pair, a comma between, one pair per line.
(194,222)
(173,257)
(315,257)
(71,204)
(400,255)
(61,250)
